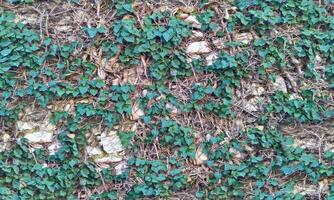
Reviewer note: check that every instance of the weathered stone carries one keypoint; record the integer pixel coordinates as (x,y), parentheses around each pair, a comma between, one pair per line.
(256,89)
(193,21)
(23,126)
(254,104)
(200,157)
(173,108)
(211,58)
(63,28)
(30,19)
(93,151)
(137,113)
(260,127)
(306,189)
(5,137)
(192,58)
(106,146)
(144,93)
(4,144)
(111,144)
(317,58)
(39,137)
(53,148)
(182,16)
(108,158)
(245,38)
(37,132)
(278,85)
(237,154)
(198,48)
(294,96)
(197,34)
(219,43)
(121,167)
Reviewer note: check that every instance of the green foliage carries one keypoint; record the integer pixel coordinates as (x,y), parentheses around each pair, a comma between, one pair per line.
(176,136)
(158,180)
(303,109)
(19,1)
(329,73)
(93,31)
(123,7)
(155,39)
(256,160)
(205,19)
(126,137)
(27,174)
(125,31)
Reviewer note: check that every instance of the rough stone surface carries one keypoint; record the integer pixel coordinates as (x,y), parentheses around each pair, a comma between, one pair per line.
(105,146)
(39,137)
(278,85)
(254,104)
(193,21)
(111,143)
(197,34)
(137,113)
(192,58)
(36,127)
(108,158)
(93,151)
(4,144)
(121,167)
(219,43)
(309,190)
(211,58)
(256,89)
(198,48)
(245,38)
(173,108)
(182,15)
(53,148)
(200,157)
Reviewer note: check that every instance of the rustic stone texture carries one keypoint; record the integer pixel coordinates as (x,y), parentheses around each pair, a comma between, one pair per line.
(35,126)
(182,16)
(172,108)
(121,167)
(278,85)
(201,47)
(196,35)
(219,43)
(53,148)
(5,142)
(254,104)
(39,137)
(93,151)
(193,21)
(108,158)
(308,190)
(244,38)
(111,144)
(106,146)
(211,58)
(256,89)
(193,57)
(200,157)
(137,113)
(253,100)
